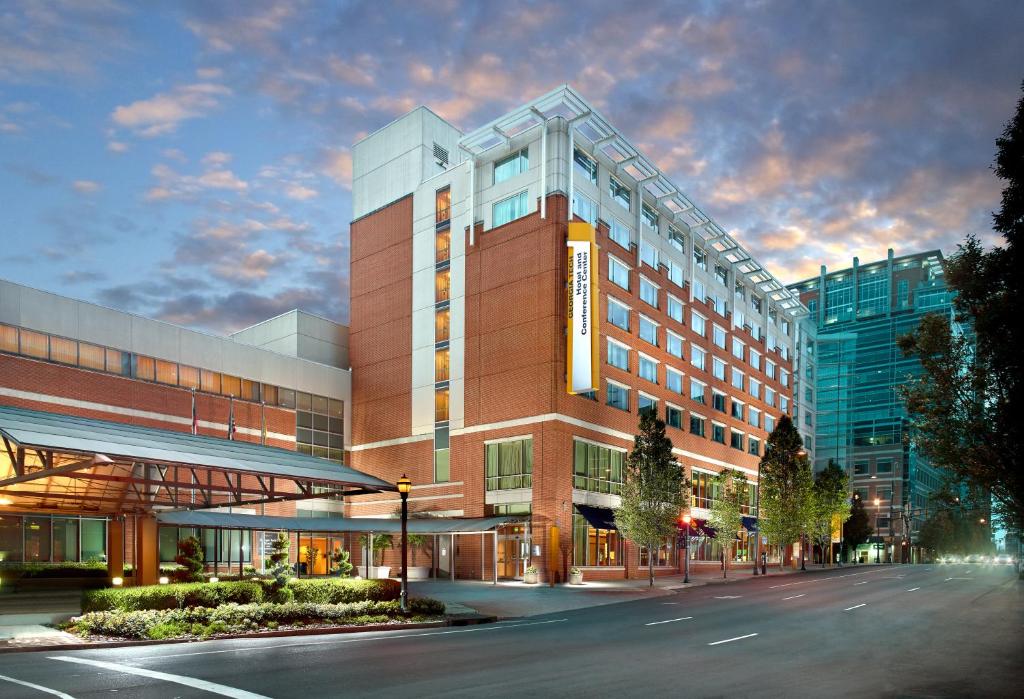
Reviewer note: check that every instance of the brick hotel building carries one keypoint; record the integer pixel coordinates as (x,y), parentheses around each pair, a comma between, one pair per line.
(458,334)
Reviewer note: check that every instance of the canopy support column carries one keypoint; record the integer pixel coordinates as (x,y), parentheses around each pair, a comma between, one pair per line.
(494,557)
(451,560)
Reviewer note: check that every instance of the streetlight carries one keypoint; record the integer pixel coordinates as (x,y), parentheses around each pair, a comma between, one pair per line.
(686,562)
(404,486)
(802,454)
(878,512)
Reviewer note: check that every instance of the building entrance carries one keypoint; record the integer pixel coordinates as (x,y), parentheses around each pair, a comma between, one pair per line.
(513,551)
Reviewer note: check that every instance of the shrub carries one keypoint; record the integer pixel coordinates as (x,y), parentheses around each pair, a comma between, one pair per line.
(190,558)
(339,591)
(176,596)
(205,621)
(280,569)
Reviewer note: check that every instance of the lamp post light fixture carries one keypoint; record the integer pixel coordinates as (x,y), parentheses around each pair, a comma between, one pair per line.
(878,512)
(404,486)
(686,561)
(802,454)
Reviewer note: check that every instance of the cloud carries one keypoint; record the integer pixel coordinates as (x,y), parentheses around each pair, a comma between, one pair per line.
(117,146)
(300,192)
(174,185)
(162,113)
(86,186)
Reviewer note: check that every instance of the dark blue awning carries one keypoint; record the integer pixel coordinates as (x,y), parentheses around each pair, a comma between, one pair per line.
(750,524)
(598,517)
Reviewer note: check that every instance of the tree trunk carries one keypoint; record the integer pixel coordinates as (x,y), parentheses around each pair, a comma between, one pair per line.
(650,566)
(725,562)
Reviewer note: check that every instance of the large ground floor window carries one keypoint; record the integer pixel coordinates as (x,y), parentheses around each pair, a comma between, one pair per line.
(225,548)
(595,547)
(52,539)
(664,555)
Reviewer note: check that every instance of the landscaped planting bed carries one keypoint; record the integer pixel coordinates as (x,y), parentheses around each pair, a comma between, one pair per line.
(202,610)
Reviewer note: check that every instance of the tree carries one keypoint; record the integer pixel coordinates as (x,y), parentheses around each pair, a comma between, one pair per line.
(726,515)
(828,503)
(786,485)
(857,529)
(280,568)
(312,555)
(653,490)
(190,558)
(380,543)
(339,563)
(965,407)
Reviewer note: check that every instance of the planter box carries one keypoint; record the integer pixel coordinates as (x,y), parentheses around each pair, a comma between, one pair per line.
(419,572)
(376,572)
(530,578)
(576,578)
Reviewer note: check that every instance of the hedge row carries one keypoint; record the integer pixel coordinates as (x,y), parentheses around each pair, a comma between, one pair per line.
(228,618)
(184,595)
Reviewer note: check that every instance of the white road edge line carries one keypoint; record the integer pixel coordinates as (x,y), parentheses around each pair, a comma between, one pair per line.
(730,640)
(865,582)
(913,589)
(794,596)
(203,685)
(856,606)
(41,688)
(669,621)
(384,637)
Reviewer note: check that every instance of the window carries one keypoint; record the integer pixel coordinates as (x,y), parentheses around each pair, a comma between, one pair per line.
(698,357)
(91,356)
(63,350)
(754,416)
(700,258)
(441,405)
(698,291)
(769,368)
(737,318)
(167,372)
(769,424)
(441,365)
(719,304)
(755,331)
(718,401)
(650,216)
(754,358)
(595,547)
(698,323)
(703,487)
(737,409)
(675,273)
(584,166)
(619,192)
(722,275)
(648,369)
(754,446)
(784,377)
(718,336)
(620,233)
(860,468)
(697,390)
(648,292)
(442,246)
(618,314)
(717,433)
(675,308)
(696,425)
(618,273)
(509,464)
(754,388)
(647,405)
(585,208)
(442,455)
(673,380)
(739,291)
(673,417)
(883,466)
(618,396)
(673,344)
(441,324)
(442,285)
(510,166)
(784,404)
(649,254)
(443,205)
(509,209)
(675,237)
(648,330)
(596,468)
(35,344)
(737,348)
(618,355)
(718,368)
(736,439)
(737,378)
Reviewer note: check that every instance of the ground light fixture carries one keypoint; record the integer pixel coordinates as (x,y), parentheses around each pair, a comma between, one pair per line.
(214,579)
(404,486)
(117,582)
(164,580)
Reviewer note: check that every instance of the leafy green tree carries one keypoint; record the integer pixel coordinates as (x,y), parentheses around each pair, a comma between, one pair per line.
(380,543)
(339,563)
(280,568)
(190,558)
(828,503)
(312,555)
(726,515)
(966,405)
(857,529)
(786,485)
(653,490)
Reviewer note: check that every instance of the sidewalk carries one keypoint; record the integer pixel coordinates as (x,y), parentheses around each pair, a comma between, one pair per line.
(515,599)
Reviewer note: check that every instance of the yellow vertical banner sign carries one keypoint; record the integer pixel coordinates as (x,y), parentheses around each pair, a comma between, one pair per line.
(554,551)
(582,315)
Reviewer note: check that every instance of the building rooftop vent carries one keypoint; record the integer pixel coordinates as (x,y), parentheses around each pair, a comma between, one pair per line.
(441,155)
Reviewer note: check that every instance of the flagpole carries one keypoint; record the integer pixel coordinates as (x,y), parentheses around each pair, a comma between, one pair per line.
(263,423)
(195,422)
(231,417)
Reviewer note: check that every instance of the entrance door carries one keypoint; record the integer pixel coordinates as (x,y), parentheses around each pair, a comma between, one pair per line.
(513,551)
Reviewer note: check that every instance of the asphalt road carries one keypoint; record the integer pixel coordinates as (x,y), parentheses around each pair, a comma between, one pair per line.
(911,631)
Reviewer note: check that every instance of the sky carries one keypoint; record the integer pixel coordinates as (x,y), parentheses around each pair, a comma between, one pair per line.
(190,161)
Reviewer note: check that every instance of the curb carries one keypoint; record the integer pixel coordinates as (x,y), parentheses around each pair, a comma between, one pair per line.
(330,630)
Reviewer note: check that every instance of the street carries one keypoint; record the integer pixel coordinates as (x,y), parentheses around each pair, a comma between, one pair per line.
(928,630)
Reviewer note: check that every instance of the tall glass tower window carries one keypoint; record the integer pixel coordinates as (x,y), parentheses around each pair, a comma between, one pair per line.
(872,294)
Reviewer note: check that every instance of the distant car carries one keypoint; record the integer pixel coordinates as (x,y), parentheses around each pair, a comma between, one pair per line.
(975,558)
(1003,559)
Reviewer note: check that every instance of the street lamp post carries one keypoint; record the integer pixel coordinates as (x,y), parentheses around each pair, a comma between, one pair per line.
(686,562)
(757,518)
(803,548)
(404,486)
(878,513)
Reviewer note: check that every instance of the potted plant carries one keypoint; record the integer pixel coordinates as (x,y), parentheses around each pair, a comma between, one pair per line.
(417,542)
(530,577)
(312,555)
(378,545)
(575,576)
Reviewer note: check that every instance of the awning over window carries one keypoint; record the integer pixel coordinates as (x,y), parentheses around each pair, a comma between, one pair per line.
(700,527)
(598,517)
(750,524)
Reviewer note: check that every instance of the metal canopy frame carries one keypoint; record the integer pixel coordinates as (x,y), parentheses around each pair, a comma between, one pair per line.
(627,161)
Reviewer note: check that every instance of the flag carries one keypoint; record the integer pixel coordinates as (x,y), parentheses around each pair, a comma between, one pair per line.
(231,417)
(195,416)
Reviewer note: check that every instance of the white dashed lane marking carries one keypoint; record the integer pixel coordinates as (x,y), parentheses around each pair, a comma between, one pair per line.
(669,621)
(730,640)
(793,597)
(856,606)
